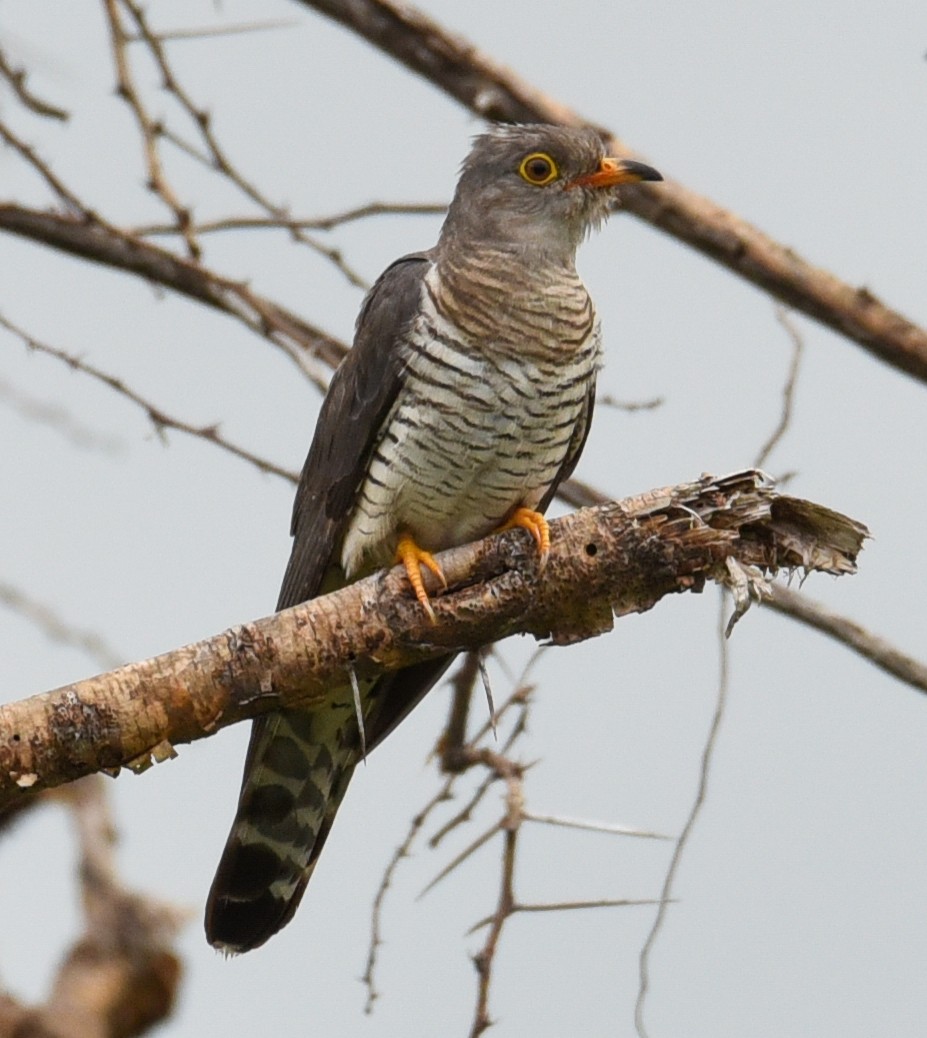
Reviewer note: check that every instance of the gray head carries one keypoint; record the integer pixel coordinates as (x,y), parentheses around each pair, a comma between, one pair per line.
(536,187)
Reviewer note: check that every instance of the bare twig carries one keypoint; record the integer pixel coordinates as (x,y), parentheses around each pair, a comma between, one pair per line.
(483,960)
(217,159)
(211,32)
(305,344)
(788,389)
(492,91)
(67,197)
(872,647)
(159,418)
(607,400)
(376,914)
(55,416)
(148,128)
(688,828)
(17,77)
(290,223)
(52,626)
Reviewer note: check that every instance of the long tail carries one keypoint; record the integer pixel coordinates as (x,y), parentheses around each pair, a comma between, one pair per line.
(297,771)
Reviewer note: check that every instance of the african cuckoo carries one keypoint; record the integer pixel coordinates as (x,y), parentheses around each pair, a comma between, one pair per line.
(465,400)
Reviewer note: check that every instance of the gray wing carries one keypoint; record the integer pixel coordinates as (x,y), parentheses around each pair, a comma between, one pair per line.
(574,450)
(299,762)
(361,394)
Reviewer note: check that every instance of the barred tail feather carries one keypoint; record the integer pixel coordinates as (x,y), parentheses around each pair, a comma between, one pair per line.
(297,771)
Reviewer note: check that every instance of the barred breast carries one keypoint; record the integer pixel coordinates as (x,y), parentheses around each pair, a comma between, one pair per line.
(498,371)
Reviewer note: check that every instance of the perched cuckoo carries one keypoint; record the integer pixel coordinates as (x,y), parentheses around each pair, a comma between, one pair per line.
(465,400)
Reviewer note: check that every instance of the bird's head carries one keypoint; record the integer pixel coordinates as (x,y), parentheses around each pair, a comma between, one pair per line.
(537,187)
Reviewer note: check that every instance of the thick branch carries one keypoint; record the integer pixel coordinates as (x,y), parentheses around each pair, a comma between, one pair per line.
(610,560)
(100,243)
(494,92)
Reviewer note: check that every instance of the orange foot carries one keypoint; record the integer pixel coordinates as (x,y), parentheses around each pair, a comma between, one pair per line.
(413,558)
(535,524)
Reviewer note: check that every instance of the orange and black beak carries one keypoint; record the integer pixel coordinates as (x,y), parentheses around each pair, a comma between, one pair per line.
(612,172)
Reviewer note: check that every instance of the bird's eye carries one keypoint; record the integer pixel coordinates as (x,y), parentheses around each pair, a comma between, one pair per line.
(538,169)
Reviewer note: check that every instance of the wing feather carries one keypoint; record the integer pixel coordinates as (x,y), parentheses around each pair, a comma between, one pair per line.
(361,394)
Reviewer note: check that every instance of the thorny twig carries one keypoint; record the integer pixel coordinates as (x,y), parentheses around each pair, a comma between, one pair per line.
(457,757)
(450,743)
(159,418)
(67,197)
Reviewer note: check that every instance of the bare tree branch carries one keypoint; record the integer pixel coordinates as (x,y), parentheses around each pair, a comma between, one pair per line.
(289,223)
(302,341)
(604,562)
(17,77)
(874,648)
(26,152)
(148,128)
(159,418)
(216,159)
(95,241)
(492,91)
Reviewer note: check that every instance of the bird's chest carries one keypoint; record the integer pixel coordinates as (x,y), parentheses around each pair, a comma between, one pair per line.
(477,430)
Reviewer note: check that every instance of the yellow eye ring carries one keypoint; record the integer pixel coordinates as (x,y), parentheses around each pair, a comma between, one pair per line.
(538,168)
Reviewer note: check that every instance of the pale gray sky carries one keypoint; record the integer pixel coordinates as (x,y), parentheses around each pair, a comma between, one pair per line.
(802,899)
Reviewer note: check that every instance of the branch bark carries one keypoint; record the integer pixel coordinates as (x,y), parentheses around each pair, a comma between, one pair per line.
(492,91)
(607,561)
(100,243)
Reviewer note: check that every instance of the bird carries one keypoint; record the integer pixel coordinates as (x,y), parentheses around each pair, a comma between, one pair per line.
(463,403)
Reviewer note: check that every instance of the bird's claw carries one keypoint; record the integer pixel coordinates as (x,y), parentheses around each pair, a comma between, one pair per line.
(536,525)
(413,558)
